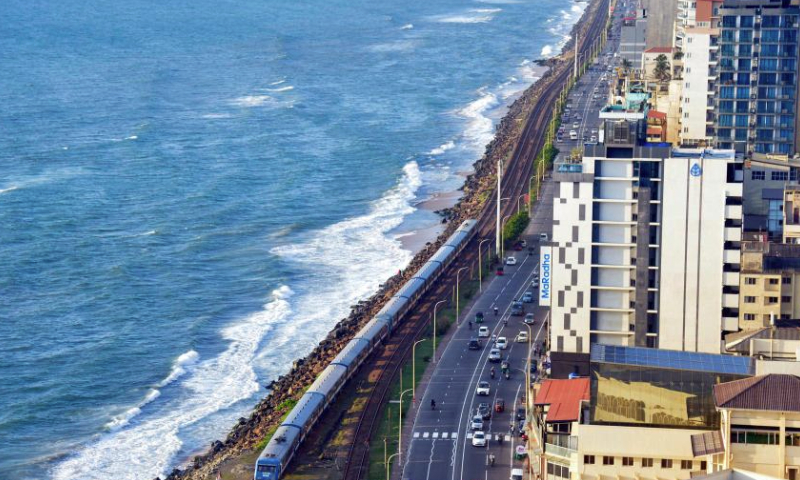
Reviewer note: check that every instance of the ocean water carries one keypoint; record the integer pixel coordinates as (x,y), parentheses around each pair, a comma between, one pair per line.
(193,193)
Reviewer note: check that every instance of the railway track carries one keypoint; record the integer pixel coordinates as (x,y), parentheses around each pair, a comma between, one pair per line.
(515,183)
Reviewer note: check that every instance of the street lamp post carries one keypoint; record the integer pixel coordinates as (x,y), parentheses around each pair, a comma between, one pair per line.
(528,373)
(388,463)
(458,294)
(434,328)
(400,429)
(502,240)
(414,369)
(519,208)
(498,247)
(480,265)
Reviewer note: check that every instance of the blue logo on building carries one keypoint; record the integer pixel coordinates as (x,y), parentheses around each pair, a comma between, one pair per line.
(696,171)
(545,288)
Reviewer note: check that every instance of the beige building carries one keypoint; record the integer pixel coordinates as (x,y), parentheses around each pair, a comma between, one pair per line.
(791,214)
(769,285)
(760,422)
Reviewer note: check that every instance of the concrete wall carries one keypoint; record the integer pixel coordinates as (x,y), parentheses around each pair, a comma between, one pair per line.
(661,16)
(695,87)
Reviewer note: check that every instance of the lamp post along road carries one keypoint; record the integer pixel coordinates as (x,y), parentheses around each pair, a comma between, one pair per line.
(499,176)
(502,239)
(434,328)
(528,373)
(480,265)
(400,429)
(414,369)
(388,463)
(458,293)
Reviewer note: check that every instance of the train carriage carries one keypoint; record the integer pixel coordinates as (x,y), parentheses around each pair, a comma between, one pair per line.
(305,413)
(277,454)
(374,331)
(353,354)
(329,382)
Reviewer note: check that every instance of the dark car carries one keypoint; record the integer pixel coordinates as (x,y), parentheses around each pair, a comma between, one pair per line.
(484,411)
(517,309)
(499,405)
(479,317)
(520,413)
(500,271)
(475,344)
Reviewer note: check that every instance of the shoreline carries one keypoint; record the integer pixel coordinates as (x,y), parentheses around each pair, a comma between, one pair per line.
(453,207)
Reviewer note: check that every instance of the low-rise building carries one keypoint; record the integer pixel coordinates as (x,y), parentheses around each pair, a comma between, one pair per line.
(760,422)
(769,285)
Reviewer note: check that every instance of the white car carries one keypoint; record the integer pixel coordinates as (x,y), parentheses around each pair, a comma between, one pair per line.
(535,283)
(478,439)
(576,125)
(483,332)
(483,388)
(543,237)
(522,337)
(494,355)
(511,261)
(516,474)
(476,423)
(501,343)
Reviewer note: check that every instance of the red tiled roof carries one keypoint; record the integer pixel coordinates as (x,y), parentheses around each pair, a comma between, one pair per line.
(564,398)
(656,114)
(654,130)
(776,392)
(659,50)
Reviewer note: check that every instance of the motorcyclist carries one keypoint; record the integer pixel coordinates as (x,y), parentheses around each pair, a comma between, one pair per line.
(433,404)
(470,324)
(505,322)
(492,372)
(495,311)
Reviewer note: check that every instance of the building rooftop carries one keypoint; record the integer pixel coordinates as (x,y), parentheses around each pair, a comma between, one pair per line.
(659,50)
(739,342)
(564,398)
(707,443)
(672,359)
(656,114)
(734,474)
(774,392)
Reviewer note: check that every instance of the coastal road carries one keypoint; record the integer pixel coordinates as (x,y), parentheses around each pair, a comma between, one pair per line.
(440,444)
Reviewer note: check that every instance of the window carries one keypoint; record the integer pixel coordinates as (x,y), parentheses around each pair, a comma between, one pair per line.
(686,464)
(588,459)
(787,280)
(749,299)
(703,465)
(754,437)
(786,299)
(757,175)
(793,439)
(773,281)
(780,176)
(749,280)
(772,300)
(555,471)
(627,461)
(647,462)
(608,460)
(666,463)
(750,316)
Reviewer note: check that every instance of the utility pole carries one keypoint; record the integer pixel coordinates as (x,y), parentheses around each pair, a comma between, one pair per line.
(497,233)
(575,70)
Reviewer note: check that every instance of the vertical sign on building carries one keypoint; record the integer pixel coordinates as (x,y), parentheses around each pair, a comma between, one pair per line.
(545,267)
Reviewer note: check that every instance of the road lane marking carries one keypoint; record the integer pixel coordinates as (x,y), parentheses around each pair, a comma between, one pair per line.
(444,435)
(416,434)
(425,435)
(435,434)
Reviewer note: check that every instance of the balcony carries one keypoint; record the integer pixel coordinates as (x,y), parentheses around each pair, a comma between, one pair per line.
(730,279)
(733,212)
(732,256)
(733,234)
(730,300)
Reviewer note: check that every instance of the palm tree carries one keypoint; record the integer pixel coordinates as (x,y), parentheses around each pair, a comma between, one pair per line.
(661,70)
(626,65)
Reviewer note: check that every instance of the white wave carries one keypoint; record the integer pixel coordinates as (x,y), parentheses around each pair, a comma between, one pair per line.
(278,82)
(252,100)
(216,116)
(8,189)
(180,365)
(147,448)
(480,127)
(442,148)
(396,46)
(132,137)
(281,89)
(407,26)
(475,15)
(547,51)
(124,419)
(500,2)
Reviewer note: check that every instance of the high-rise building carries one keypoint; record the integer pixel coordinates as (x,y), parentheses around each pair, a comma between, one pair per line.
(757,84)
(645,248)
(633,38)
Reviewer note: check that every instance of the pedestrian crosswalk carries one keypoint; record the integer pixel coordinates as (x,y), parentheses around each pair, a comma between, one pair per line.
(454,436)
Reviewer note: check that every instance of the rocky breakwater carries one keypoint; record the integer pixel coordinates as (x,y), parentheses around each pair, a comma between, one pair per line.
(249,432)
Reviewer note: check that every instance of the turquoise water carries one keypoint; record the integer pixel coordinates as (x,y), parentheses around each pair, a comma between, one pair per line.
(193,193)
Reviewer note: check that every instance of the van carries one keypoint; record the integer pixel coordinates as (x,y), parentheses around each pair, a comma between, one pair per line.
(543,237)
(517,309)
(516,474)
(573,135)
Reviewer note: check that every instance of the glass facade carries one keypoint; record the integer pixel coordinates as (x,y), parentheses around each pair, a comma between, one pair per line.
(758,65)
(671,389)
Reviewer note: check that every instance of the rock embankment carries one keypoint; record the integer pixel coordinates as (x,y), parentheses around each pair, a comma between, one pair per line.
(248,432)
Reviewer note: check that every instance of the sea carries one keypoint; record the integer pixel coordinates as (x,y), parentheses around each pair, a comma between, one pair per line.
(192,194)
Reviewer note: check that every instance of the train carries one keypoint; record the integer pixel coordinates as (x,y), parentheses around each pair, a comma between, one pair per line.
(273,460)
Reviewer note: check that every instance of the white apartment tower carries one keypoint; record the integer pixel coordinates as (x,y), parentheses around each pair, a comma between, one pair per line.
(645,247)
